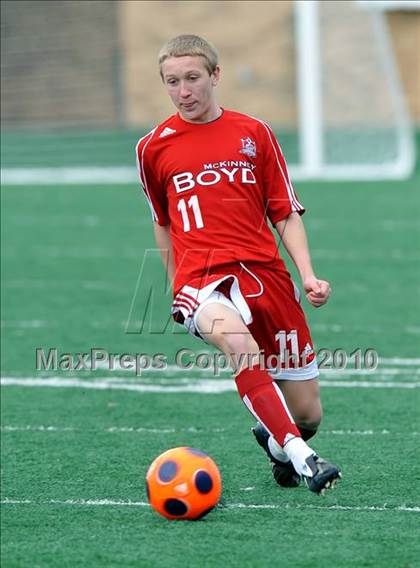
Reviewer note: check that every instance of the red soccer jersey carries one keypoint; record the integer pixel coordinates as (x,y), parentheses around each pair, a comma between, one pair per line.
(216,184)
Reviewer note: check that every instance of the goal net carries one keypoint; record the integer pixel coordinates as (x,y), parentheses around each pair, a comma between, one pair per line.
(353,122)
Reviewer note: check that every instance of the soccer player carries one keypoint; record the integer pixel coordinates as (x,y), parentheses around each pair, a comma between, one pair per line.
(213,179)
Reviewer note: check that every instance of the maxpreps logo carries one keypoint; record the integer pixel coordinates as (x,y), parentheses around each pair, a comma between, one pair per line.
(229,170)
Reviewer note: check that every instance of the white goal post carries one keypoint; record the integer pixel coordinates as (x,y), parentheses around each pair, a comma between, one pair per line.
(353,122)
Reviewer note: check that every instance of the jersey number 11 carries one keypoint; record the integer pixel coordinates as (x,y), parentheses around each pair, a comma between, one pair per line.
(194,205)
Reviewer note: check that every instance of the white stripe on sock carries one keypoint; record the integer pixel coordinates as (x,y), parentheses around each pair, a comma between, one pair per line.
(277,451)
(283,401)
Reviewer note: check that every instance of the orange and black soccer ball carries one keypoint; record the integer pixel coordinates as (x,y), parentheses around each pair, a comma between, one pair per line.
(183,483)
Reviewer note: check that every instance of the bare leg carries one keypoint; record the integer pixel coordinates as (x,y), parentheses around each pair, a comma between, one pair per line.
(302,398)
(224,328)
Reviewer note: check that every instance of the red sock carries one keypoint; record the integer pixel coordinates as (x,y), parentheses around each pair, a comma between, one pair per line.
(265,401)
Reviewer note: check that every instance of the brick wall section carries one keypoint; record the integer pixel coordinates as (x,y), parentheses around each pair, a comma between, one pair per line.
(58,62)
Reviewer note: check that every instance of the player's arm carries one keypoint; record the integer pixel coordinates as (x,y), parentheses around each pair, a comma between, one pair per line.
(164,244)
(292,233)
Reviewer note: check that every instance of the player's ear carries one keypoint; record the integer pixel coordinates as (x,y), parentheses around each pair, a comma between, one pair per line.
(215,76)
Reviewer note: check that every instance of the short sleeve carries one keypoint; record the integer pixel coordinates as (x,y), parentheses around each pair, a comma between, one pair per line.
(154,191)
(279,195)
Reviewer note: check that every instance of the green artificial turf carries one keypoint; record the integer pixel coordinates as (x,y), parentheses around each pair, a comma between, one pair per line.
(71,256)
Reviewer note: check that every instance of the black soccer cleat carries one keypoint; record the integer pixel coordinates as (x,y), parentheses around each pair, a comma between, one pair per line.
(283,472)
(324,475)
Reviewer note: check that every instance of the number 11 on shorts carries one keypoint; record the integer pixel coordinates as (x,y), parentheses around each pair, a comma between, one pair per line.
(284,339)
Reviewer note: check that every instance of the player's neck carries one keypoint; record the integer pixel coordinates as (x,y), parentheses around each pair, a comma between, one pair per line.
(213,113)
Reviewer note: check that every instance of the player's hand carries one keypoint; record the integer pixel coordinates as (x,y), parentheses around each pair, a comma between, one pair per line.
(317,291)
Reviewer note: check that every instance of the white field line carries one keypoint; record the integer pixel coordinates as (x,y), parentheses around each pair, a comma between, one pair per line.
(193,370)
(177,369)
(190,430)
(378,371)
(69,175)
(87,175)
(339,328)
(400,361)
(325,374)
(397,361)
(112,503)
(207,386)
(98,285)
(415,509)
(111,429)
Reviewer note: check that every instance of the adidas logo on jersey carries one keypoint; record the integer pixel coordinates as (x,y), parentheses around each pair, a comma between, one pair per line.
(308,349)
(166,132)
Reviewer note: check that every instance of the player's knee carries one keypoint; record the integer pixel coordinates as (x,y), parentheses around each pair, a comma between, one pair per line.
(239,344)
(241,349)
(309,418)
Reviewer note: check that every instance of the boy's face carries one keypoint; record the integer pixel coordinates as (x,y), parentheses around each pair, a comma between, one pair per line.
(190,87)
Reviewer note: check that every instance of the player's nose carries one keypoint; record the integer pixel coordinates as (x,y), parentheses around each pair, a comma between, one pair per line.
(185,91)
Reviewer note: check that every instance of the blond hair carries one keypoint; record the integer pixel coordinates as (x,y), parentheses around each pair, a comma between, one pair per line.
(189,44)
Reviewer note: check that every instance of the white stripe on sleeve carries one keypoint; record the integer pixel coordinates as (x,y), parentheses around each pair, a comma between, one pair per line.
(142,174)
(296,205)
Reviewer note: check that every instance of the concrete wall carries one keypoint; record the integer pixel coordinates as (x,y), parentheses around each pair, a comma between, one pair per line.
(405,35)
(254,40)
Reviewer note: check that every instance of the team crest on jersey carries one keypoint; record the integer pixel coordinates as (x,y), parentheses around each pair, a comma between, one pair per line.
(248,147)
